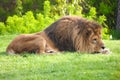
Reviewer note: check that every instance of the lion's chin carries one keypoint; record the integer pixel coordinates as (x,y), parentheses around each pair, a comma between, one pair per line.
(103,51)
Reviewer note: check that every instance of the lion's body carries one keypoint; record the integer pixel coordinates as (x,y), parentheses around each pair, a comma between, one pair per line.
(27,43)
(70,33)
(31,43)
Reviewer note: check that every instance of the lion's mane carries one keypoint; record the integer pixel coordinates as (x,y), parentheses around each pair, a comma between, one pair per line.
(73,33)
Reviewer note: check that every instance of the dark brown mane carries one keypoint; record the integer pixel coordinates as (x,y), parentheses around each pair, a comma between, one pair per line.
(71,33)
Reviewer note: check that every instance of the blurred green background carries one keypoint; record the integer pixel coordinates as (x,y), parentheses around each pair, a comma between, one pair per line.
(29,16)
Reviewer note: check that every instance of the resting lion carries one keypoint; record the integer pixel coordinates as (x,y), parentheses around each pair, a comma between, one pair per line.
(70,33)
(31,43)
(73,33)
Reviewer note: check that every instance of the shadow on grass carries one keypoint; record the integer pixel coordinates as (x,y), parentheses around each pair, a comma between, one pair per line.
(3,54)
(23,55)
(66,52)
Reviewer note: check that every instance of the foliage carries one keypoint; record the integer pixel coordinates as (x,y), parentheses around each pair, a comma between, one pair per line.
(19,7)
(105,34)
(67,66)
(2,28)
(47,8)
(24,24)
(61,7)
(43,13)
(108,8)
(27,23)
(92,13)
(6,9)
(115,34)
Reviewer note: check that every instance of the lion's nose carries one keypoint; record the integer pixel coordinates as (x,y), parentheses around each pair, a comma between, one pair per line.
(103,47)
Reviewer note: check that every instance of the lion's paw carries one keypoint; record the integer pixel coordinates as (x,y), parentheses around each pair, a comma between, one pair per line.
(106,51)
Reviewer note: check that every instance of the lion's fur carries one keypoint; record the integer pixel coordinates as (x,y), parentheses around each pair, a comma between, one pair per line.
(32,43)
(70,33)
(73,33)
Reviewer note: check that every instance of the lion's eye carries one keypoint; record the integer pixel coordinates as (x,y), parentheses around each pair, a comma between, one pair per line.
(94,41)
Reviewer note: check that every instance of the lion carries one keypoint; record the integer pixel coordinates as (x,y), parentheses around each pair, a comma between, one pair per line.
(31,43)
(70,33)
(73,33)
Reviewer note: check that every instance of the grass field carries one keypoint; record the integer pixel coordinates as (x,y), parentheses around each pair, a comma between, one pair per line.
(68,66)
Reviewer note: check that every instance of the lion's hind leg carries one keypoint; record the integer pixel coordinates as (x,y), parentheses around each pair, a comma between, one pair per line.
(41,45)
(10,51)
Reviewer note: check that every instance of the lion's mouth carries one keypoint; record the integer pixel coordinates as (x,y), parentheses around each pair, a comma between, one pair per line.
(96,52)
(103,51)
(100,51)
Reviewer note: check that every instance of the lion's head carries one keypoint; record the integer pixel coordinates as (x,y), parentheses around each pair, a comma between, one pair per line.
(88,37)
(72,33)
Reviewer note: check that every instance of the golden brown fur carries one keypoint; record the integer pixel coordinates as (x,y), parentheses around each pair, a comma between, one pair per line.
(72,33)
(31,43)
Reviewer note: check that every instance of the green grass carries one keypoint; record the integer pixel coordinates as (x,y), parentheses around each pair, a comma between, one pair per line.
(68,66)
